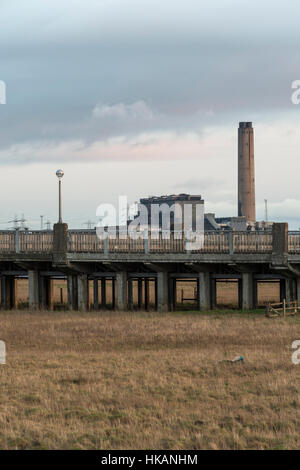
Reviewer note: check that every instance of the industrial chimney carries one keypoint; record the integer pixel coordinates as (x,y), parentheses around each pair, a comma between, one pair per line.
(246,179)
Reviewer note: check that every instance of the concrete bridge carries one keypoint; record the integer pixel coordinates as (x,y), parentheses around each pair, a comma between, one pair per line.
(79,256)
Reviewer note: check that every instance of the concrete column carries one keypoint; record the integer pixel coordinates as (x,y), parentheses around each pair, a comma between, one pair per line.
(146,293)
(96,293)
(140,293)
(83,292)
(198,294)
(8,292)
(72,292)
(282,290)
(171,295)
(46,293)
(103,293)
(240,294)
(130,294)
(3,293)
(113,289)
(205,291)
(33,289)
(298,288)
(255,293)
(162,291)
(290,293)
(279,240)
(213,294)
(60,238)
(247,280)
(174,294)
(122,290)
(155,294)
(15,293)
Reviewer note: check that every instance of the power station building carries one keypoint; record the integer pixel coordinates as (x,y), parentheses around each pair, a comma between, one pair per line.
(246,211)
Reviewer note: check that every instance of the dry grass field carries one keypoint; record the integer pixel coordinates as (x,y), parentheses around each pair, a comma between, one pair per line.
(148,381)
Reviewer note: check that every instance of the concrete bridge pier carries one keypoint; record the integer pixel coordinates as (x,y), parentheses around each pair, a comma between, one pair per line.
(140,293)
(213,294)
(33,289)
(113,293)
(72,292)
(290,289)
(298,288)
(204,291)
(103,293)
(46,292)
(121,277)
(8,292)
(130,294)
(162,291)
(172,294)
(247,291)
(96,294)
(83,292)
(146,282)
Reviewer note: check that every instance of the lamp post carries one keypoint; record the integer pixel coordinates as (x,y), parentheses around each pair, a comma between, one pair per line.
(59,175)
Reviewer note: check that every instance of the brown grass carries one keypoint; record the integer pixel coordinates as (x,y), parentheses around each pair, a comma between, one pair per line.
(147,381)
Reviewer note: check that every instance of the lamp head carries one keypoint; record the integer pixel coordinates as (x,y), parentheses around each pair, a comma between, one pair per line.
(59,174)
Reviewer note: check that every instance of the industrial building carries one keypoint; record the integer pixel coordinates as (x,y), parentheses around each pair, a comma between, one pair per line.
(246,213)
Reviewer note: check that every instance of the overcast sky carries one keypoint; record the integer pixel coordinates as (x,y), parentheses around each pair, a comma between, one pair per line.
(140,97)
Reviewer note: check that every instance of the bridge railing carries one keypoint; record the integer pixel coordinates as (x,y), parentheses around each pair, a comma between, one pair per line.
(294,242)
(17,241)
(87,242)
(7,241)
(34,241)
(252,242)
(214,242)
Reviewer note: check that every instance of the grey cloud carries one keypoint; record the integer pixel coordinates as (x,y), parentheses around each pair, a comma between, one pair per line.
(189,66)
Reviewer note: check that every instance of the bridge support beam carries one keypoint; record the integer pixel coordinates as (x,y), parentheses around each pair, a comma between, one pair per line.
(162,291)
(9,296)
(72,292)
(247,291)
(298,288)
(96,294)
(291,289)
(46,292)
(213,294)
(172,294)
(146,282)
(130,294)
(103,293)
(140,293)
(83,292)
(121,290)
(204,295)
(33,289)
(113,293)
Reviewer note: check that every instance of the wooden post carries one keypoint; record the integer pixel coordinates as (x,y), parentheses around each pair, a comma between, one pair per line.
(284,307)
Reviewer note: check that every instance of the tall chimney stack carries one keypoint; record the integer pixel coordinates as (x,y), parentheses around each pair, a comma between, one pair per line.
(246,178)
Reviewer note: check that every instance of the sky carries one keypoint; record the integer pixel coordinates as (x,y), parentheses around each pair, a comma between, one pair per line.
(140,97)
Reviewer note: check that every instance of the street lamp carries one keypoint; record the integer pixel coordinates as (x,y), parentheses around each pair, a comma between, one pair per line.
(59,175)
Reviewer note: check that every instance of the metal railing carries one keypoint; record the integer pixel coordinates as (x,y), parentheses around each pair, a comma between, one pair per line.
(294,243)
(82,241)
(214,242)
(17,241)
